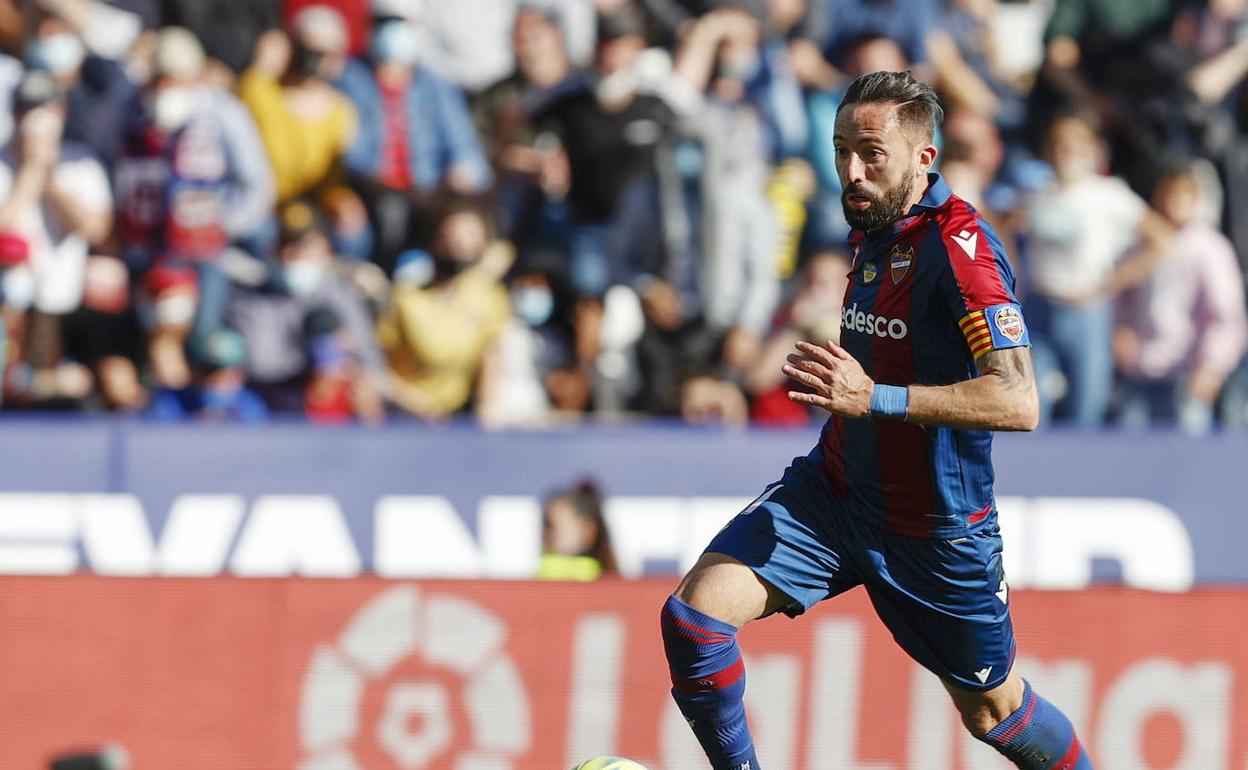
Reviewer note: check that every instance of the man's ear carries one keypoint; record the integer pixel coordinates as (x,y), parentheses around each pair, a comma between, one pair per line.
(927,157)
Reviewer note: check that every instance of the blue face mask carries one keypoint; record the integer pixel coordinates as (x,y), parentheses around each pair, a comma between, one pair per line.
(533,304)
(394,42)
(59,54)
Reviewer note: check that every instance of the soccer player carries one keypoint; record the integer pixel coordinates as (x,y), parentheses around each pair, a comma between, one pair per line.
(897,496)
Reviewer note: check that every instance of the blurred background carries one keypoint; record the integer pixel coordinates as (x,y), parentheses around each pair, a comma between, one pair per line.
(371,368)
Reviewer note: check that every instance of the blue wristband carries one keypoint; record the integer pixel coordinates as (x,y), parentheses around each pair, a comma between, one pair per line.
(890,401)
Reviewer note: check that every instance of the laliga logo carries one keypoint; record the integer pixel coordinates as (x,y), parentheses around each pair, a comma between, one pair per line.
(855,320)
(412,678)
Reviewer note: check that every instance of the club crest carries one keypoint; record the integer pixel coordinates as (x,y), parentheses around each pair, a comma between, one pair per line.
(869,272)
(1009,323)
(899,260)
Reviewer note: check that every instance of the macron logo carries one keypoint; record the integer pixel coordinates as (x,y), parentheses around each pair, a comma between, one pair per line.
(982,675)
(967,240)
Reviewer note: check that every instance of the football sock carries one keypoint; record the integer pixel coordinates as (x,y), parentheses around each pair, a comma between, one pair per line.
(1038,737)
(708,683)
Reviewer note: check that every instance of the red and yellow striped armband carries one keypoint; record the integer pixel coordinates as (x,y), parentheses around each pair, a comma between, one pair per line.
(994,328)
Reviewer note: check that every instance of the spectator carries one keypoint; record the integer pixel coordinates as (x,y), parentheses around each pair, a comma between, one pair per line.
(436,335)
(10,75)
(354,15)
(1183,330)
(228,29)
(194,176)
(533,176)
(966,63)
(219,392)
(97,90)
(611,132)
(1079,229)
(838,24)
(307,126)
(17,292)
(108,30)
(415,135)
(709,304)
(334,393)
(530,376)
(815,316)
(576,544)
(676,17)
(57,200)
(272,318)
(104,335)
(1113,59)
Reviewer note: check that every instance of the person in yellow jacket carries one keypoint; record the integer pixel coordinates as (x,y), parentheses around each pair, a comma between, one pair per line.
(307,125)
(435,334)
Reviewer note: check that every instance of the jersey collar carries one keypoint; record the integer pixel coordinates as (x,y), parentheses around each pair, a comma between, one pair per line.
(937,194)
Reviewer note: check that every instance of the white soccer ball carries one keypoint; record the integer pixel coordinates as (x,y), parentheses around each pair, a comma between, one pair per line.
(608,763)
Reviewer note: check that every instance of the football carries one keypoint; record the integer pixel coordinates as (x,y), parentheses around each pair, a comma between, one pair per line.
(608,763)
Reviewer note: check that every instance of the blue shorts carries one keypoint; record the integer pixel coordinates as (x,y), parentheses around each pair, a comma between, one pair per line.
(945,601)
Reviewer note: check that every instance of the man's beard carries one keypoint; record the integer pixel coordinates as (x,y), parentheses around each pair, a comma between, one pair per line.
(884,209)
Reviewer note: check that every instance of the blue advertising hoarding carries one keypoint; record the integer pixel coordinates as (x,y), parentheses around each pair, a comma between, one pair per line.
(1153,510)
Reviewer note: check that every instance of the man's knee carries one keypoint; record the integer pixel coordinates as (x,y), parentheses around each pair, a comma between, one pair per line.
(725,589)
(983,711)
(979,722)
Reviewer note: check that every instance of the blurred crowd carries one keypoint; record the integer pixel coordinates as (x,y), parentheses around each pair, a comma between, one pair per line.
(543,211)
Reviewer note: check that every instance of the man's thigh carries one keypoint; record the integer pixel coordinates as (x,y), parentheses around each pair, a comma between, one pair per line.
(946,603)
(783,539)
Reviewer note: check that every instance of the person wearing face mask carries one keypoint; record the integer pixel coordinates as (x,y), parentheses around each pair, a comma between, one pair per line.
(98,91)
(530,376)
(415,135)
(436,335)
(272,317)
(193,178)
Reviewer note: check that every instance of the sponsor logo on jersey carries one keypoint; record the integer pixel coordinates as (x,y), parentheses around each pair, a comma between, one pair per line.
(869,272)
(854,320)
(1010,323)
(899,260)
(968,241)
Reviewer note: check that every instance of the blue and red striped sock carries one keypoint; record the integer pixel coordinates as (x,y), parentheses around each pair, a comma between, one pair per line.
(708,683)
(1038,737)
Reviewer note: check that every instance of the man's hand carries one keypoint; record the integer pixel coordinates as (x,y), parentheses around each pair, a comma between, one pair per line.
(40,133)
(837,379)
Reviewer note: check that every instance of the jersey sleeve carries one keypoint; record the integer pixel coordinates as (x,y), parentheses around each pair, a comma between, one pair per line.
(980,286)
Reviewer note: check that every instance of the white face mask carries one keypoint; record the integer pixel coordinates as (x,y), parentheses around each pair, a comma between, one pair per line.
(18,287)
(59,54)
(304,277)
(173,107)
(177,309)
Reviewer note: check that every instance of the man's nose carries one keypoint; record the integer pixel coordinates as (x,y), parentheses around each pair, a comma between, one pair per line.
(855,169)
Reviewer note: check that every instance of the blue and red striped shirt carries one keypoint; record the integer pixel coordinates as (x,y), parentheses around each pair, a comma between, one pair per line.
(926,297)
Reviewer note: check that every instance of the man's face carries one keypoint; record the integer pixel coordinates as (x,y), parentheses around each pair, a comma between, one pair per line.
(619,53)
(533,37)
(881,164)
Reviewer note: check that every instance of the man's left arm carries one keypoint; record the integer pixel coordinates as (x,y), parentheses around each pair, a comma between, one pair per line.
(1002,397)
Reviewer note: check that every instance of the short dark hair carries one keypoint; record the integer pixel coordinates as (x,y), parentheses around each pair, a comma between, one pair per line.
(918,105)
